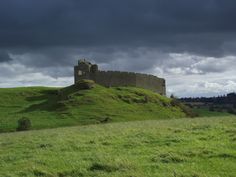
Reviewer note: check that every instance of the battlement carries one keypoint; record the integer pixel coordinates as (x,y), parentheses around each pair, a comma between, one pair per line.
(87,70)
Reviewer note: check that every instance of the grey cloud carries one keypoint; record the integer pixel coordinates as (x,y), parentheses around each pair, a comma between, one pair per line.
(55,32)
(4,56)
(186,25)
(45,57)
(140,59)
(186,63)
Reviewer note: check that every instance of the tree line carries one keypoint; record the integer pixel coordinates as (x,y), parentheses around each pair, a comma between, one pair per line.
(230,98)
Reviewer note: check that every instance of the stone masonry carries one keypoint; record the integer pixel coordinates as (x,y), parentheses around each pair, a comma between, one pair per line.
(87,70)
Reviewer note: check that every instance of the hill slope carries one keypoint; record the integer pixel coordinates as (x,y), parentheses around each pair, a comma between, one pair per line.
(178,147)
(55,107)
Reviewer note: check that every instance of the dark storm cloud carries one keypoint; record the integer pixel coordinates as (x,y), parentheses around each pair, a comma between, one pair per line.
(4,56)
(183,25)
(53,33)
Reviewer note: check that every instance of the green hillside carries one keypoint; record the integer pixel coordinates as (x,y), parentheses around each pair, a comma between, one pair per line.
(200,147)
(56,107)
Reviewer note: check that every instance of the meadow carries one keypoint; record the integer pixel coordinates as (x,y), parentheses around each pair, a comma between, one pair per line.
(199,147)
(118,131)
(59,107)
(205,112)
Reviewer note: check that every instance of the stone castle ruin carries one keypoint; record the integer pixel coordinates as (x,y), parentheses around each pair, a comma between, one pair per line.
(86,70)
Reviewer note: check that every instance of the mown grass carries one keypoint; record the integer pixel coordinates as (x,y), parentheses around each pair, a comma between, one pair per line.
(201,147)
(57,107)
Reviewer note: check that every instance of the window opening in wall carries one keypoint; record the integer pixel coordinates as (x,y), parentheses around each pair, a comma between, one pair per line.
(80,73)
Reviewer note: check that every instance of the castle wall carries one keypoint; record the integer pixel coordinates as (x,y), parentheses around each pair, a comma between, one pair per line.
(114,78)
(151,82)
(117,78)
(76,78)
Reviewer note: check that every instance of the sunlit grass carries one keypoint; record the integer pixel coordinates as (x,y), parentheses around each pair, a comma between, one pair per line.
(201,147)
(59,107)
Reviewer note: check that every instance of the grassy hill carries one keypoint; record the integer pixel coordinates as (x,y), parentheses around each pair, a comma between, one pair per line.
(176,147)
(57,107)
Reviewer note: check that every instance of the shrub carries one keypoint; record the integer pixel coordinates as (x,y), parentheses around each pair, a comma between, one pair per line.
(211,108)
(105,120)
(187,110)
(231,111)
(24,124)
(85,84)
(172,96)
(175,102)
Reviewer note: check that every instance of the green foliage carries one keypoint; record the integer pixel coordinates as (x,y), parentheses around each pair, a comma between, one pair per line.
(24,124)
(211,108)
(69,106)
(187,110)
(161,148)
(231,110)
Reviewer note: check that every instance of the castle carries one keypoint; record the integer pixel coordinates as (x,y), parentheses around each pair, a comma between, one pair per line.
(87,70)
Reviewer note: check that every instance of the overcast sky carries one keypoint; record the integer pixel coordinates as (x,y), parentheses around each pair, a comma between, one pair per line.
(190,43)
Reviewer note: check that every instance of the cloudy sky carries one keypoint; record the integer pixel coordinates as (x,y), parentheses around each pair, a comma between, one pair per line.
(191,43)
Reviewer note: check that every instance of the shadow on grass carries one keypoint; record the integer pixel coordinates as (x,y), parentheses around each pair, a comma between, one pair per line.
(52,100)
(48,100)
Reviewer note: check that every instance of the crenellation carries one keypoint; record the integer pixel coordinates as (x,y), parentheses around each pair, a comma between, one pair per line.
(86,70)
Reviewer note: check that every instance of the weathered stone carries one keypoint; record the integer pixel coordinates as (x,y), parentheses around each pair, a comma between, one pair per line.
(85,84)
(86,70)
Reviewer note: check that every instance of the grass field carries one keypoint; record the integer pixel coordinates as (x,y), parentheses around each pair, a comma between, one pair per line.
(59,107)
(200,147)
(204,112)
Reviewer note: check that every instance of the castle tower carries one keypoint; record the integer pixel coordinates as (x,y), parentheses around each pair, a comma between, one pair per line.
(82,70)
(94,68)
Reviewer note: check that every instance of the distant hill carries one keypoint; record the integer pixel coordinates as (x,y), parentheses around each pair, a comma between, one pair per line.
(230,98)
(225,104)
(57,107)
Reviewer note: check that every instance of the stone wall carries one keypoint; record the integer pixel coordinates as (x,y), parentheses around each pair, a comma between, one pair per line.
(114,78)
(77,75)
(151,82)
(117,78)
